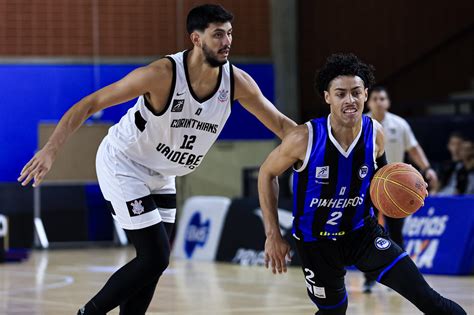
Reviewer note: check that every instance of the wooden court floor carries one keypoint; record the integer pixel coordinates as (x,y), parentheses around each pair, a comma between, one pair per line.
(60,281)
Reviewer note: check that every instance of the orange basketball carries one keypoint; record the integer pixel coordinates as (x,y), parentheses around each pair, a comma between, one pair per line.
(398,190)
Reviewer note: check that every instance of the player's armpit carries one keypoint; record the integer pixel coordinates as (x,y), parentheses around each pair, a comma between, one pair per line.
(250,96)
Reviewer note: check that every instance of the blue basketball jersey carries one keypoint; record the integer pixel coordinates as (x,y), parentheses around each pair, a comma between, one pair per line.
(331,188)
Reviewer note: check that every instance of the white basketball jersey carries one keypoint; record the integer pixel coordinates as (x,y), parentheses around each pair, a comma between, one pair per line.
(174,142)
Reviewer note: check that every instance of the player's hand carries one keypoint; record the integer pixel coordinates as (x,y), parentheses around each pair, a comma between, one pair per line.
(37,168)
(277,252)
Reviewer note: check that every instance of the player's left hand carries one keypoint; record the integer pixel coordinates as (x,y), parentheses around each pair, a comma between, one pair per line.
(277,253)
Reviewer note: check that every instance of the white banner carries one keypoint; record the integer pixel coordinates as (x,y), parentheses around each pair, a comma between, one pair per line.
(200,227)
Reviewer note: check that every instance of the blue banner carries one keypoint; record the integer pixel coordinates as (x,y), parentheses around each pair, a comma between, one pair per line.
(440,236)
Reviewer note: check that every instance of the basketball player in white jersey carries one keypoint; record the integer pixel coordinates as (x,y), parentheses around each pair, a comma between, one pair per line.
(183,103)
(399,138)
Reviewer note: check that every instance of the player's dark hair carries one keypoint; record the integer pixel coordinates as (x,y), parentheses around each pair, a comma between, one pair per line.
(378,89)
(201,16)
(343,64)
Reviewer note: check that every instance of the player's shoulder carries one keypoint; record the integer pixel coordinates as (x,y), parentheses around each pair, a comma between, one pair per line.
(377,126)
(163,66)
(245,85)
(296,141)
(298,135)
(240,76)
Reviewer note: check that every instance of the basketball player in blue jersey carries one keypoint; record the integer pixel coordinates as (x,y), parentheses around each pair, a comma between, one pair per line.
(334,159)
(183,103)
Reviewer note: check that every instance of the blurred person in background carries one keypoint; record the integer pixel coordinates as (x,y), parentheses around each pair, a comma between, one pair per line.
(399,139)
(461,181)
(183,103)
(447,168)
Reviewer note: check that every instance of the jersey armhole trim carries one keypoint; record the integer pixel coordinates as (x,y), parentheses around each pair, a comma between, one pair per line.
(308,148)
(374,137)
(170,96)
(232,83)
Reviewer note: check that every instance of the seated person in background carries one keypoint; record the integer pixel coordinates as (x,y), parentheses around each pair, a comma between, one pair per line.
(455,141)
(465,175)
(462,179)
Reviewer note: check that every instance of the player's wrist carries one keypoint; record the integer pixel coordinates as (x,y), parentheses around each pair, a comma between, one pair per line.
(273,234)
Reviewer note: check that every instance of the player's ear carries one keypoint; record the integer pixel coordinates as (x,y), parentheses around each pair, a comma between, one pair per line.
(195,39)
(366,92)
(326,97)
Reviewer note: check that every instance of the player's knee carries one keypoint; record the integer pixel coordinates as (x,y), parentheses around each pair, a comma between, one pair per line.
(331,305)
(154,264)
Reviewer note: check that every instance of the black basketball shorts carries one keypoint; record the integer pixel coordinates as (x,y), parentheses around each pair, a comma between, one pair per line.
(324,262)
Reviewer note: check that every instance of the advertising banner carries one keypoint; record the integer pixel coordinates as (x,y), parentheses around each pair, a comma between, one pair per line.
(199,227)
(440,236)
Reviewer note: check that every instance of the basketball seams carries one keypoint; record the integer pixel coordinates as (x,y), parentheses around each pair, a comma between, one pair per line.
(402,186)
(414,171)
(391,199)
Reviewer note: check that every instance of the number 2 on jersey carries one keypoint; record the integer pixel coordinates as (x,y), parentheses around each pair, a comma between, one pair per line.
(335,216)
(188,142)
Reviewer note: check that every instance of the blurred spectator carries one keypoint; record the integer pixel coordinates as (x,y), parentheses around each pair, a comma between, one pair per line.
(455,141)
(399,138)
(461,180)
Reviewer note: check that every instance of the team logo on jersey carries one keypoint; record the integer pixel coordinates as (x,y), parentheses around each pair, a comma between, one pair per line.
(322,172)
(177,106)
(223,96)
(382,243)
(137,207)
(363,171)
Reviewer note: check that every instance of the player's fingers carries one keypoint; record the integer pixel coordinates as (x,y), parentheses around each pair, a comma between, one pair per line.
(30,176)
(39,178)
(278,264)
(267,259)
(26,170)
(283,264)
(272,264)
(28,165)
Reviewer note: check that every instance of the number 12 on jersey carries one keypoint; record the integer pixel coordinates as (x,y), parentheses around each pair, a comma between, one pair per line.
(188,142)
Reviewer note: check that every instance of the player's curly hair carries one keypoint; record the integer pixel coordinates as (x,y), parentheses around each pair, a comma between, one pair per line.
(343,64)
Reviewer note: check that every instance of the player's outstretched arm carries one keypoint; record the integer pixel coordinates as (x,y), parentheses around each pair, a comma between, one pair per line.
(249,95)
(290,151)
(138,82)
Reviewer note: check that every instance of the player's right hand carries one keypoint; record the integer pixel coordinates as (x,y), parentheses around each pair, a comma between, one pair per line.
(277,252)
(37,168)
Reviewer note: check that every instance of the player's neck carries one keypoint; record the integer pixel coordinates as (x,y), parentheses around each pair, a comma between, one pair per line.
(198,68)
(344,135)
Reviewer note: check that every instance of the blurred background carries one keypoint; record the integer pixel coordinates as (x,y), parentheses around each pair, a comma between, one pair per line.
(54,52)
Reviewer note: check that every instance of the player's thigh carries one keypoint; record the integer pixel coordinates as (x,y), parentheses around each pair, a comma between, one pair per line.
(379,253)
(324,274)
(163,190)
(124,184)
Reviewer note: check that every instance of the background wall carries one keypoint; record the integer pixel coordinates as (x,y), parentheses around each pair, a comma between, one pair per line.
(422,50)
(120,27)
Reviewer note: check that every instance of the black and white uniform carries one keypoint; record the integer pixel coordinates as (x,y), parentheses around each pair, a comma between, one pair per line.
(144,152)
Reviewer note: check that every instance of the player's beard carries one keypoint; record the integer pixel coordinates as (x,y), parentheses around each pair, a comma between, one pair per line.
(211,57)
